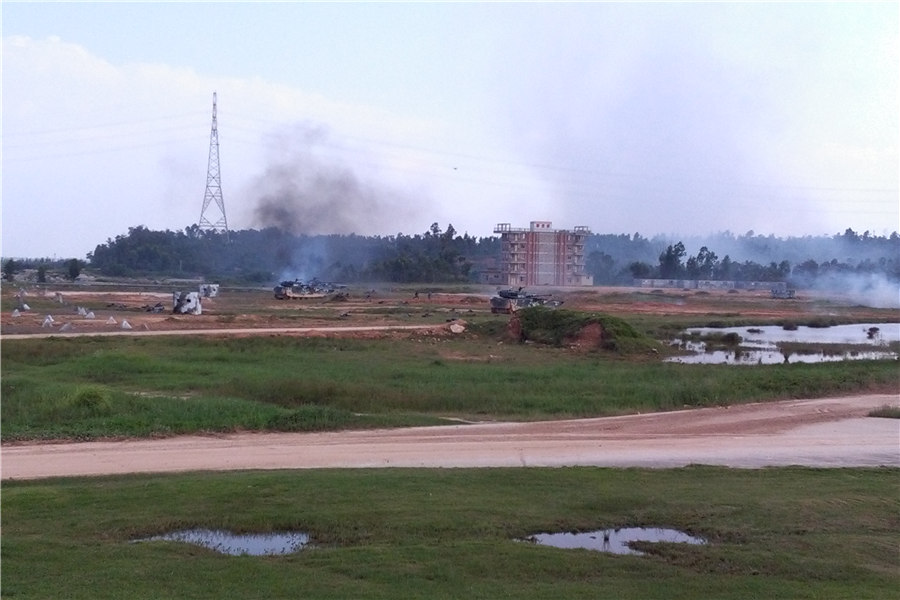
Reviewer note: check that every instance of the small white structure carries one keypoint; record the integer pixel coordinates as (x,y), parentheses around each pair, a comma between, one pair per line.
(48,322)
(209,290)
(66,327)
(16,313)
(90,315)
(186,303)
(111,321)
(125,324)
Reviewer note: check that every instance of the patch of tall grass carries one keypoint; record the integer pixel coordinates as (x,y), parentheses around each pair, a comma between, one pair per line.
(887,411)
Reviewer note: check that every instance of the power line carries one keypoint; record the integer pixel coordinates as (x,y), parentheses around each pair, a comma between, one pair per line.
(106,150)
(98,125)
(434,162)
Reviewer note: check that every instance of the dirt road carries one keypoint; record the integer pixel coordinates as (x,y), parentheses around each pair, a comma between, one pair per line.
(233,331)
(832,432)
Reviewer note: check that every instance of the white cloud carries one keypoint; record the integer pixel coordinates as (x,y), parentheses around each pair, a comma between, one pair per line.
(657,118)
(92,148)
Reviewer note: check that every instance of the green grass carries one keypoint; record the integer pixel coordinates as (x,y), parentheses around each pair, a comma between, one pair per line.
(84,388)
(556,326)
(773,533)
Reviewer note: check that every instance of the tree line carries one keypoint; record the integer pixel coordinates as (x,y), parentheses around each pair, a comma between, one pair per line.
(264,256)
(705,265)
(43,267)
(443,255)
(619,259)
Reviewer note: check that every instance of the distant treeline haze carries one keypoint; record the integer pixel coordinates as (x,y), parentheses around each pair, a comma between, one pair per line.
(444,256)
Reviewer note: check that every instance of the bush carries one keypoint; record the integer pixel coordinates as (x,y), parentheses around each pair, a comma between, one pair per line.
(558,327)
(92,400)
(732,339)
(310,418)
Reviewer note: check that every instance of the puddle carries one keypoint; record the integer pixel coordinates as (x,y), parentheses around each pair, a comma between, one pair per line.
(614,541)
(761,345)
(858,333)
(226,542)
(770,357)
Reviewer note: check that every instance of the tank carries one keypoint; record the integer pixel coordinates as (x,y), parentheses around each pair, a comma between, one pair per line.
(296,289)
(509,301)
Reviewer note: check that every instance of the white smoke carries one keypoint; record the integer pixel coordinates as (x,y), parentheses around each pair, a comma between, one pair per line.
(865,289)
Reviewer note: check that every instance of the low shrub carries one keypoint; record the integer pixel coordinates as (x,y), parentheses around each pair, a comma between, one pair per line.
(91,400)
(310,418)
(558,327)
(887,411)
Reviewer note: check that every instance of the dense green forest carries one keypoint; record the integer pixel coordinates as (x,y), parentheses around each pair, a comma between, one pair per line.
(444,256)
(268,255)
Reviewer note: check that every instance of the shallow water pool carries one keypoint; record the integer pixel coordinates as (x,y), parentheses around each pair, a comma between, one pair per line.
(226,542)
(615,541)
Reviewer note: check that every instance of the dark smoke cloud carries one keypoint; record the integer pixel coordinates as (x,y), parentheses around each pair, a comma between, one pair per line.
(308,189)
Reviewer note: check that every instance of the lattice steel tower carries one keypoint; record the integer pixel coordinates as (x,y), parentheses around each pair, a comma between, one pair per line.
(213,183)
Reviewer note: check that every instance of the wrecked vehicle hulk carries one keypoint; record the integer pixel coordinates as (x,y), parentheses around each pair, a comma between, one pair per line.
(296,289)
(509,301)
(186,303)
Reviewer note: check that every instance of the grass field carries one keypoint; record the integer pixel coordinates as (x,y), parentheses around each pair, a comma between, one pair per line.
(446,533)
(772,533)
(94,387)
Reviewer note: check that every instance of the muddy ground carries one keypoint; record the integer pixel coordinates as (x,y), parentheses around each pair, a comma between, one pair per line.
(244,309)
(258,308)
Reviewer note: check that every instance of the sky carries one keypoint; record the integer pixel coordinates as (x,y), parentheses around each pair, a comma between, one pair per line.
(383,118)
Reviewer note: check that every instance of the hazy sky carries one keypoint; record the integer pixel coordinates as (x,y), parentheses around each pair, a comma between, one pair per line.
(658,118)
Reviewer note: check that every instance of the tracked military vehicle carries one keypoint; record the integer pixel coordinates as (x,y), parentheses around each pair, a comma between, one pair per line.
(296,289)
(509,301)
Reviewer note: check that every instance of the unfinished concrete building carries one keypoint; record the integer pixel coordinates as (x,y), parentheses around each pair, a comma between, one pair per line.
(541,255)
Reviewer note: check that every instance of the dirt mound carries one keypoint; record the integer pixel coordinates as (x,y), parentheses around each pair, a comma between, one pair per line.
(514,329)
(589,337)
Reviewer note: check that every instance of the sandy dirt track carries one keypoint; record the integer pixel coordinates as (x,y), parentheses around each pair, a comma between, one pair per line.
(233,331)
(831,432)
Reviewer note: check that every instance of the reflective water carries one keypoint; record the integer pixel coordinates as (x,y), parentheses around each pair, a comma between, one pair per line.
(771,357)
(226,542)
(859,333)
(770,344)
(615,541)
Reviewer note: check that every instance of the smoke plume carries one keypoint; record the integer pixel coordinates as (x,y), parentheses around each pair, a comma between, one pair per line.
(865,289)
(308,188)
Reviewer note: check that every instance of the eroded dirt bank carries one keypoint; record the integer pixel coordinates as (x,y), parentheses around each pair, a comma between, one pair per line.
(830,432)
